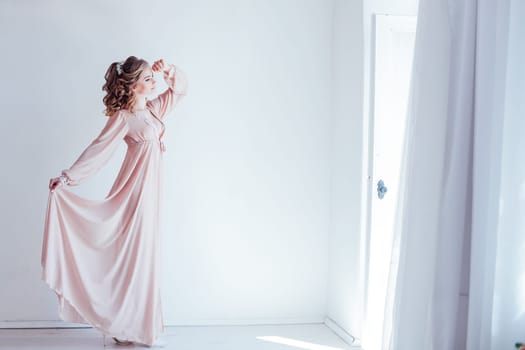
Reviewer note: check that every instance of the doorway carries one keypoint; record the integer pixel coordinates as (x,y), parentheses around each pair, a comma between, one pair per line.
(392,53)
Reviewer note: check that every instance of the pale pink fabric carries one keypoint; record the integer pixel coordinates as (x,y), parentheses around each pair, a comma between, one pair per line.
(102,257)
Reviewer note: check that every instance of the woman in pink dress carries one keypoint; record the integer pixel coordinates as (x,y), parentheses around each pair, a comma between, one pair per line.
(102,258)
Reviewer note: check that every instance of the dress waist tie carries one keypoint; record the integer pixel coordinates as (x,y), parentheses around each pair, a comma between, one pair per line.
(136,143)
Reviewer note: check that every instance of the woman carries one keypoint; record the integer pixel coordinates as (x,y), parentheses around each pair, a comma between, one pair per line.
(102,258)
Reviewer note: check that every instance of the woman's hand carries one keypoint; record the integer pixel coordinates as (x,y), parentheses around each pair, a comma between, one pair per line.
(54,183)
(160,66)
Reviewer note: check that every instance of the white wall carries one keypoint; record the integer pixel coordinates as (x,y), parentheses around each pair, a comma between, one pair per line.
(248,162)
(345,279)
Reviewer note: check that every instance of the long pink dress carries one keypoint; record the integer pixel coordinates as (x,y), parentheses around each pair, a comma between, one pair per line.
(103,257)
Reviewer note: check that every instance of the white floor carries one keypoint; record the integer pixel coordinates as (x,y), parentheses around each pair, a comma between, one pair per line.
(278,337)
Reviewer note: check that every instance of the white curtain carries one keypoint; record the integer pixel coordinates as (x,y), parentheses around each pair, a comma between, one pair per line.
(444,282)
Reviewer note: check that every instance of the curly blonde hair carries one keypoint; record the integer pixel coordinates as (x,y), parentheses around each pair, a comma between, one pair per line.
(121,77)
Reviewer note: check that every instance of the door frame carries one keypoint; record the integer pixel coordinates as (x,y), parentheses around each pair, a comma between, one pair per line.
(399,22)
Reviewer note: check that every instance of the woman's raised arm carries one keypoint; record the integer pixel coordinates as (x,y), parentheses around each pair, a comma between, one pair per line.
(177,88)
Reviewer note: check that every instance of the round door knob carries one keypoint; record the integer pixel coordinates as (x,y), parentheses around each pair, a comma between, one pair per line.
(381,189)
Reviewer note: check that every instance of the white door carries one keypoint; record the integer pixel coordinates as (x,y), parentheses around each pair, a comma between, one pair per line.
(392,54)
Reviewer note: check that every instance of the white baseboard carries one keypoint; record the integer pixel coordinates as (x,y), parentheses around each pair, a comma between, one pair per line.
(168,323)
(41,324)
(347,337)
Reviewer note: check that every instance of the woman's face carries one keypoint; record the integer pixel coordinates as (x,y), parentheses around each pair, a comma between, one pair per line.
(146,84)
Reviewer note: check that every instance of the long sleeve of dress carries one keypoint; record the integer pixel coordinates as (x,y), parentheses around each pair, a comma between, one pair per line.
(177,82)
(98,153)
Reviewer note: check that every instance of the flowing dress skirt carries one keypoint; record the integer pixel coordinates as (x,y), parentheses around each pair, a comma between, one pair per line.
(103,258)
